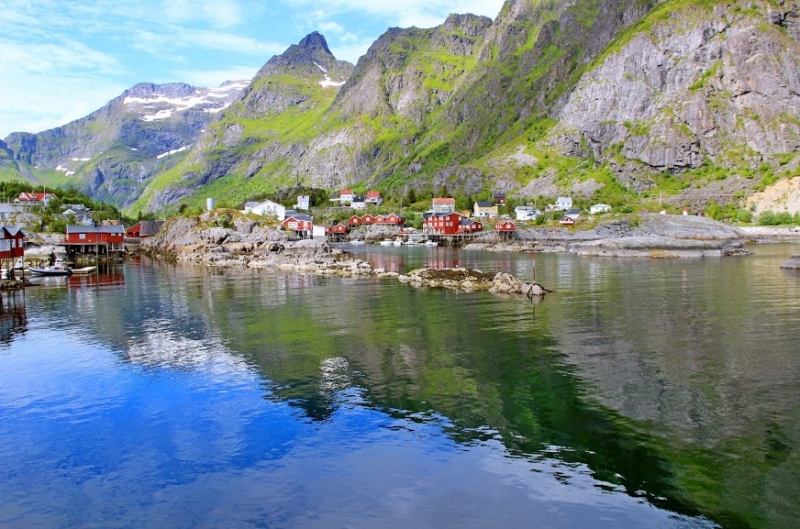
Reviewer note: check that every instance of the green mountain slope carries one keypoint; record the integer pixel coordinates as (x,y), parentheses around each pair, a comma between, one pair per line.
(676,102)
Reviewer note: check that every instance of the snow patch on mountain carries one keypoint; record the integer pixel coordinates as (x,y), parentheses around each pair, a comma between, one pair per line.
(158,106)
(328,82)
(174,151)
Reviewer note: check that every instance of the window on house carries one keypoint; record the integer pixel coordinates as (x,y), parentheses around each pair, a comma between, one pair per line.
(82,236)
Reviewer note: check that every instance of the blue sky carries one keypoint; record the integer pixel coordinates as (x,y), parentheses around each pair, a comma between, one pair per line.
(63,59)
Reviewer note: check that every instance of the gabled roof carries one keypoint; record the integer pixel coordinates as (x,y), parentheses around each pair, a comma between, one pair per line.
(485,204)
(12,230)
(573,212)
(346,192)
(34,197)
(299,216)
(113,228)
(373,194)
(442,201)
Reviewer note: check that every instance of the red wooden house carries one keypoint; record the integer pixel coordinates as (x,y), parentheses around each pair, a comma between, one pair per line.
(12,242)
(112,234)
(369,219)
(301,224)
(442,223)
(469,226)
(354,221)
(339,229)
(392,219)
(505,230)
(337,232)
(94,240)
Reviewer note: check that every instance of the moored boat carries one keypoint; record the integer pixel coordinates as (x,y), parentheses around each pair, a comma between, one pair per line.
(56,269)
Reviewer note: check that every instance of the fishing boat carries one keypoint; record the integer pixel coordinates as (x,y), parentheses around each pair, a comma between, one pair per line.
(59,268)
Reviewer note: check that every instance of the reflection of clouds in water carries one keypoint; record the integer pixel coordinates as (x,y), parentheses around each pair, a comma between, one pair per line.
(334,374)
(159,346)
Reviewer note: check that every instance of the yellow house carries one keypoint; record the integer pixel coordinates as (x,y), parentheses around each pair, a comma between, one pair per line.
(484,210)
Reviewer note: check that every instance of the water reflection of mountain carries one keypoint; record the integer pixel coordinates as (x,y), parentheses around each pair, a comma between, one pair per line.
(557,386)
(13,318)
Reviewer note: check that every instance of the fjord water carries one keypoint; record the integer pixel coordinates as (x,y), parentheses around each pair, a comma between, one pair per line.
(641,394)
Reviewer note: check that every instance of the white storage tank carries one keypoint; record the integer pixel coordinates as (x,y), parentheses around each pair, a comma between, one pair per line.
(210,204)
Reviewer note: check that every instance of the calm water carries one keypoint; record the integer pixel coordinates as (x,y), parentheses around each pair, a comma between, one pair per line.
(643,394)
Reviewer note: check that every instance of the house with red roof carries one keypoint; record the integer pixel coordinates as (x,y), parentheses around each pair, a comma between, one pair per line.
(34,199)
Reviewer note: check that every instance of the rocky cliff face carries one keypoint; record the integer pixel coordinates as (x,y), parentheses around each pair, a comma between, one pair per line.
(702,86)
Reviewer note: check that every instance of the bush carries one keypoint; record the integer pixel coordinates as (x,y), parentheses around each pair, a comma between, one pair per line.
(743,215)
(767,218)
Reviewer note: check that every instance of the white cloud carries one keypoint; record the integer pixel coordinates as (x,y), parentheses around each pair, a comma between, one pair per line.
(404,13)
(31,106)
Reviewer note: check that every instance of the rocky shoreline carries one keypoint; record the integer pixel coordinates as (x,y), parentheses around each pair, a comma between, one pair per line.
(647,235)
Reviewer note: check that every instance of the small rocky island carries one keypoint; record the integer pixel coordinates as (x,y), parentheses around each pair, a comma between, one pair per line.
(793,263)
(470,280)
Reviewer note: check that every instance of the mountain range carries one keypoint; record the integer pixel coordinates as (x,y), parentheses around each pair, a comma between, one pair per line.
(617,101)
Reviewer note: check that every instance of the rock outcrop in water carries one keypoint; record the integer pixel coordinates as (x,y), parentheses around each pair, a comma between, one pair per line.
(793,263)
(471,280)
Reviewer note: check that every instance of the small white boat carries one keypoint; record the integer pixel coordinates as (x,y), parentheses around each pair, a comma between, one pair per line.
(56,269)
(387,242)
(357,242)
(84,270)
(431,243)
(398,242)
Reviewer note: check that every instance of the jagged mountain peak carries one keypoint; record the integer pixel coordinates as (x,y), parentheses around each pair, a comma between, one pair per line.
(311,56)
(315,42)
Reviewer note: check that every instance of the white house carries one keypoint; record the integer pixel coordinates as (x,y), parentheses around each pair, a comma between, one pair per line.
(563,203)
(526,212)
(318,232)
(599,208)
(266,208)
(444,205)
(303,203)
(346,196)
(358,203)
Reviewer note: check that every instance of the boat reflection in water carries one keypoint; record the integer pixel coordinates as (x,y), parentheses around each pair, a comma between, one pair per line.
(104,277)
(13,319)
